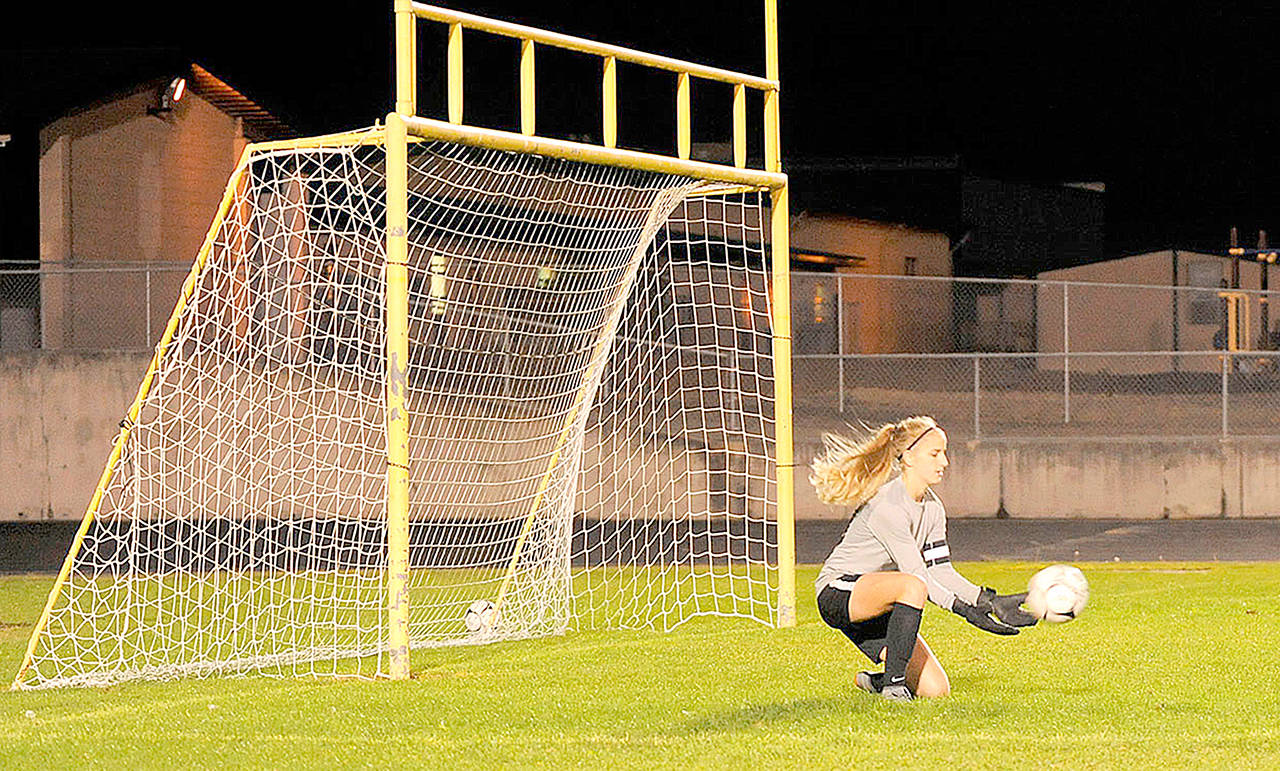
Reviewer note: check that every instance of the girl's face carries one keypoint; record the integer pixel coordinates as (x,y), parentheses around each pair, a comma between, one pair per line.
(928,459)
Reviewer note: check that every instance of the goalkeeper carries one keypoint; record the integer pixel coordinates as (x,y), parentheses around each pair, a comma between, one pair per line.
(894,556)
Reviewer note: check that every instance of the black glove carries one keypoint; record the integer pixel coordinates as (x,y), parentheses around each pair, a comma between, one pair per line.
(1006,607)
(975,616)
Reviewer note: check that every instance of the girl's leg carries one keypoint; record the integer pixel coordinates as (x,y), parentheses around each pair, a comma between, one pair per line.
(925,675)
(902,596)
(875,594)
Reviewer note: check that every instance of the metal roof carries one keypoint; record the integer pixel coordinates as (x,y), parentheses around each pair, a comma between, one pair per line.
(259,124)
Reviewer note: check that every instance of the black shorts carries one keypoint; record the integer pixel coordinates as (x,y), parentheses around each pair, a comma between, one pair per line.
(870,635)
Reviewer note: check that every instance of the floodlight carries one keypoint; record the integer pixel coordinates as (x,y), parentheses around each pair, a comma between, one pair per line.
(170,95)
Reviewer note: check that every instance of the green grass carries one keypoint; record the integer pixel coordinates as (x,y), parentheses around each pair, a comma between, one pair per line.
(1171,666)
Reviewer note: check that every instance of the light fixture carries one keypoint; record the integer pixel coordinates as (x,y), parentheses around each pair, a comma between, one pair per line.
(170,95)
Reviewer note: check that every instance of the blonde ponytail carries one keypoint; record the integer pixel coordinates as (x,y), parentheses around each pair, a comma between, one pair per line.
(850,472)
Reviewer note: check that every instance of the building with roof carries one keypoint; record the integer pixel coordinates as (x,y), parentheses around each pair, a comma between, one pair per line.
(998,228)
(930,216)
(1176,300)
(876,315)
(134,177)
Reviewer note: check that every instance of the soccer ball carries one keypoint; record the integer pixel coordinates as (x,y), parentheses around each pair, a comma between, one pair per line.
(481,616)
(1058,593)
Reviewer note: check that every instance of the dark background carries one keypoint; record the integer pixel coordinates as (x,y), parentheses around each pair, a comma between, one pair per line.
(1175,109)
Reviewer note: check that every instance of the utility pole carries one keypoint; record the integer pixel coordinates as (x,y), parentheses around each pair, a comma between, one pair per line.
(1235,259)
(1264,264)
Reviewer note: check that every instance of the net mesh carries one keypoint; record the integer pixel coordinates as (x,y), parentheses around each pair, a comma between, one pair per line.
(589,403)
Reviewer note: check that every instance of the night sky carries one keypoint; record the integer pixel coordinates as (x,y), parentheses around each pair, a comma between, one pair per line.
(1176,111)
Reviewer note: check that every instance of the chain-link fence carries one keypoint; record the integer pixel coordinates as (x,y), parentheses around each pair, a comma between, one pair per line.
(989,358)
(109,306)
(1016,358)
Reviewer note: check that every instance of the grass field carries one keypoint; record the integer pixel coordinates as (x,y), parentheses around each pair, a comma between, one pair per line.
(1172,666)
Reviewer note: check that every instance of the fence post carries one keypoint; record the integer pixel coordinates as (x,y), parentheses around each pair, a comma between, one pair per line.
(1225,356)
(840,334)
(1066,353)
(977,396)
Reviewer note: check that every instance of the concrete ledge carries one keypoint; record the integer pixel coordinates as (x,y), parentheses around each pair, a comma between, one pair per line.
(59,414)
(1098,479)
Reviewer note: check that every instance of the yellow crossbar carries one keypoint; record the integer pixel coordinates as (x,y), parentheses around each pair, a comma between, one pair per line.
(582,45)
(605,156)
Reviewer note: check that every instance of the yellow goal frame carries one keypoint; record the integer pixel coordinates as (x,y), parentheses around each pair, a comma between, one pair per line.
(404,122)
(404,126)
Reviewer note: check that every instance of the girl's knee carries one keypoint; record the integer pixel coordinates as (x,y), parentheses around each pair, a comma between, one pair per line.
(933,684)
(913,591)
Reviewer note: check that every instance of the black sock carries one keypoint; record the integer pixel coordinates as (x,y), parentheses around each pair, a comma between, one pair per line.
(900,641)
(877,680)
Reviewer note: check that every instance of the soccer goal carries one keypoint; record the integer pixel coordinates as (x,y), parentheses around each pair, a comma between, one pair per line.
(430,384)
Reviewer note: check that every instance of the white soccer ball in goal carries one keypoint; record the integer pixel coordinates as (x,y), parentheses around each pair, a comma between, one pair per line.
(480,617)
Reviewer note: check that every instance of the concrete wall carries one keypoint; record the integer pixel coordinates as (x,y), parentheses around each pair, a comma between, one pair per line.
(59,414)
(1099,480)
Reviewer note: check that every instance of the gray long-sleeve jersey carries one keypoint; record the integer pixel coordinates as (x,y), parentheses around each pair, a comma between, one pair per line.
(893,532)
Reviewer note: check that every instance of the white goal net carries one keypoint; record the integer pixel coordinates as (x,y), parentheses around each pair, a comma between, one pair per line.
(589,402)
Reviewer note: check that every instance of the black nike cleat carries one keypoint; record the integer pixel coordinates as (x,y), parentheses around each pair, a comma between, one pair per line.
(896,693)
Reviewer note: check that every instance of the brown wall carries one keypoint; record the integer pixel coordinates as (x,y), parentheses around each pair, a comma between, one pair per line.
(883,246)
(117,184)
(1110,318)
(879,316)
